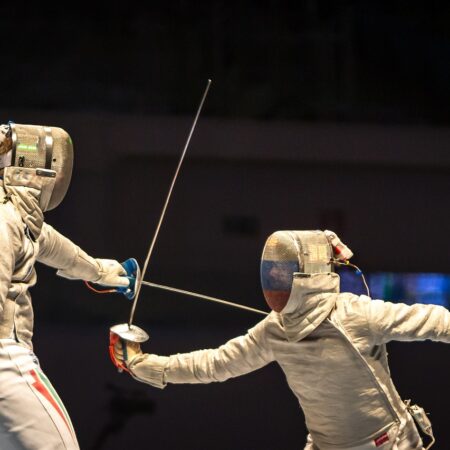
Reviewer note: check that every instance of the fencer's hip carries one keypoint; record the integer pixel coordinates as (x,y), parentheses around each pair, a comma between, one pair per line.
(32,416)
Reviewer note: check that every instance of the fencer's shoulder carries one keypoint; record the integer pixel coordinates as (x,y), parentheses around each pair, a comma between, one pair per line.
(46,231)
(352,305)
(270,327)
(351,312)
(349,299)
(49,235)
(261,325)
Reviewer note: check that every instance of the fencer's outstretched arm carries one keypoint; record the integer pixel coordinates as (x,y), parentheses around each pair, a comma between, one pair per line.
(397,321)
(59,252)
(237,357)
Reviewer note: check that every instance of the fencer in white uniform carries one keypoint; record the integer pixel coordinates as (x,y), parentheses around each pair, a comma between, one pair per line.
(330,345)
(35,171)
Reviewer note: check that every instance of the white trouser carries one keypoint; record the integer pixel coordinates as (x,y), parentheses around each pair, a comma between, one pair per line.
(405,437)
(32,416)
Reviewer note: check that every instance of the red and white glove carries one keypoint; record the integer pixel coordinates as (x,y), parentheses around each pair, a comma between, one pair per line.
(122,351)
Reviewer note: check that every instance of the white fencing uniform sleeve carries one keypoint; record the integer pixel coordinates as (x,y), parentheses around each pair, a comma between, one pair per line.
(55,250)
(237,357)
(400,322)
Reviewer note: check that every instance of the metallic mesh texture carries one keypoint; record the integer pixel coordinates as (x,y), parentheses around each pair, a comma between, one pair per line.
(287,252)
(41,147)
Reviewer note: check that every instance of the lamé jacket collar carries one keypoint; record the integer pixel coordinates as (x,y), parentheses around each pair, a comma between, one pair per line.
(313,296)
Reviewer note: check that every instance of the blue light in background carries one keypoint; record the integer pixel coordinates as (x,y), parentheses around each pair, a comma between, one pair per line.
(428,288)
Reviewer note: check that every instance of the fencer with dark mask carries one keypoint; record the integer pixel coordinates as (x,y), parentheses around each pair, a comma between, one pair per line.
(35,171)
(330,345)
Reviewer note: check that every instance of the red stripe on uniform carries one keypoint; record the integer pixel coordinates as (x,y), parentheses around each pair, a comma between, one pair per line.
(40,387)
(380,440)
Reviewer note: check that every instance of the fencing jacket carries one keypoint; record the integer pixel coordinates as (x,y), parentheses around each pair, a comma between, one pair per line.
(331,347)
(24,239)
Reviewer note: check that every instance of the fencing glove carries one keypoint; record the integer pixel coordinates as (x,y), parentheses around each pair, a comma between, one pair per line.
(111,273)
(122,351)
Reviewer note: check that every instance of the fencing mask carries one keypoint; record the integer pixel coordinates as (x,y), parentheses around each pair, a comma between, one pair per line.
(41,154)
(287,252)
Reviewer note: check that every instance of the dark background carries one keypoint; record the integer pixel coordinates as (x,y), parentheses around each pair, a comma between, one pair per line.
(322,114)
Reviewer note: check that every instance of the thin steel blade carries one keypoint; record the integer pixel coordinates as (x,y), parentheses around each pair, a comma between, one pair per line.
(161,218)
(204,297)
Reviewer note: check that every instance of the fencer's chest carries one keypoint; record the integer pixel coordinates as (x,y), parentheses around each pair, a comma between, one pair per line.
(318,356)
(336,390)
(25,252)
(325,361)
